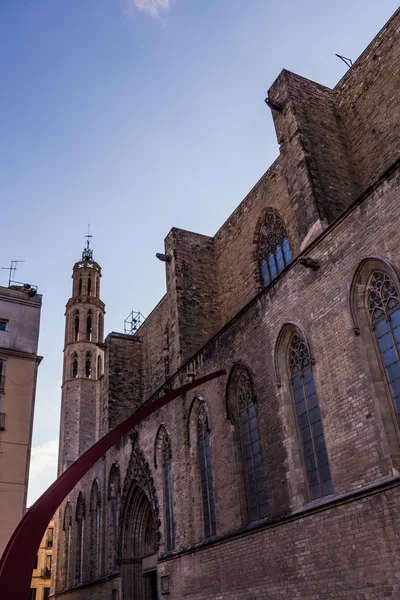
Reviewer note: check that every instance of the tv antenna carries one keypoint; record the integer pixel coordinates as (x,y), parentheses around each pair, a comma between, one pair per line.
(347,61)
(12,268)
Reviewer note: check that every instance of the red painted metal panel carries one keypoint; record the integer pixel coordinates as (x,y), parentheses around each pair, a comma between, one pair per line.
(17,561)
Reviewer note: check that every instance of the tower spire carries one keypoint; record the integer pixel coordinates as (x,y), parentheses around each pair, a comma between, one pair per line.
(87,253)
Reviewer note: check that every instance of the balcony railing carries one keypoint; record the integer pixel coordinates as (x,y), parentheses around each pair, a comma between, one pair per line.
(49,543)
(2,421)
(45,573)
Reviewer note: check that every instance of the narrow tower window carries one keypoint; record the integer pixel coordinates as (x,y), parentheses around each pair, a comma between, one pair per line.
(273,250)
(74,366)
(88,365)
(251,451)
(100,329)
(76,330)
(384,311)
(80,287)
(99,367)
(309,418)
(207,492)
(89,327)
(89,286)
(97,287)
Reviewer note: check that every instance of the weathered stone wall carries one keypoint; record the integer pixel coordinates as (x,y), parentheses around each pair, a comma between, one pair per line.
(367,99)
(216,315)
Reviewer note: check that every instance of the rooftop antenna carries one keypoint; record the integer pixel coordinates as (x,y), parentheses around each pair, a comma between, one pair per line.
(347,61)
(12,268)
(87,253)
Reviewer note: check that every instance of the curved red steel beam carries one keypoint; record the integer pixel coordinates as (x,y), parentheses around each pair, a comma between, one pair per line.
(17,561)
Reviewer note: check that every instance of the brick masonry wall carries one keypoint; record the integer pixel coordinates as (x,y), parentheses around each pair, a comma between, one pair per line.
(367,98)
(349,549)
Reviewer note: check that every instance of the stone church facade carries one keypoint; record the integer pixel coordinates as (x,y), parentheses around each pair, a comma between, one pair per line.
(280,479)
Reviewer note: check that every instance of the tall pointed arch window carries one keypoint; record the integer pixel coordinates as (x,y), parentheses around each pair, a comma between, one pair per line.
(273,248)
(100,329)
(114,491)
(95,506)
(88,365)
(74,372)
(89,286)
(99,367)
(76,327)
(168,496)
(251,451)
(206,480)
(309,418)
(80,523)
(89,329)
(384,311)
(67,528)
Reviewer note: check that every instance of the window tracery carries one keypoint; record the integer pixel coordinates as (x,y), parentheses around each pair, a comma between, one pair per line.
(274,250)
(309,418)
(384,310)
(251,450)
(206,480)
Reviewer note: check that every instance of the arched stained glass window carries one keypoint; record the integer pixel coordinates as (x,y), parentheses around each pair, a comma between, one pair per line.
(168,498)
(309,418)
(384,310)
(274,250)
(253,470)
(80,518)
(206,481)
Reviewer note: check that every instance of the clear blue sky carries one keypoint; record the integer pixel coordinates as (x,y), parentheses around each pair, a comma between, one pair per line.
(140,115)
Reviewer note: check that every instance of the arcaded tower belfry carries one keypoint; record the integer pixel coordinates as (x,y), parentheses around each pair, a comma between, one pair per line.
(83,360)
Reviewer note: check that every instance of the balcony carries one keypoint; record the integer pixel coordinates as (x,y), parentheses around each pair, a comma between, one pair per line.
(2,421)
(45,573)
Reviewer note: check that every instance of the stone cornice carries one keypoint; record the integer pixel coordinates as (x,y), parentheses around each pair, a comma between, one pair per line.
(19,354)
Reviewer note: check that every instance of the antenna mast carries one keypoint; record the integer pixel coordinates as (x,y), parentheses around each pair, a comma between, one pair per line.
(12,268)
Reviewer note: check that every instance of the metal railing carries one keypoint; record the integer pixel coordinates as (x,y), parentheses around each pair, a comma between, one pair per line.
(45,573)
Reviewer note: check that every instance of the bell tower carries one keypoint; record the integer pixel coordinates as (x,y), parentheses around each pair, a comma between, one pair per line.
(83,360)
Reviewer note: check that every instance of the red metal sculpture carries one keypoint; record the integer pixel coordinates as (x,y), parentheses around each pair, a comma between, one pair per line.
(18,559)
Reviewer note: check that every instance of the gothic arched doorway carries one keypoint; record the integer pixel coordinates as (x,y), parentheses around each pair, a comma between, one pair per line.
(138,559)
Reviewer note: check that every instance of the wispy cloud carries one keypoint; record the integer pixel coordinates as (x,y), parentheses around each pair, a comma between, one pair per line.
(43,469)
(151,7)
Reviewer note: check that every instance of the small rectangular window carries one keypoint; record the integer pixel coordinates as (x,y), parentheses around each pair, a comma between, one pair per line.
(36,562)
(49,541)
(32,595)
(46,593)
(3,324)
